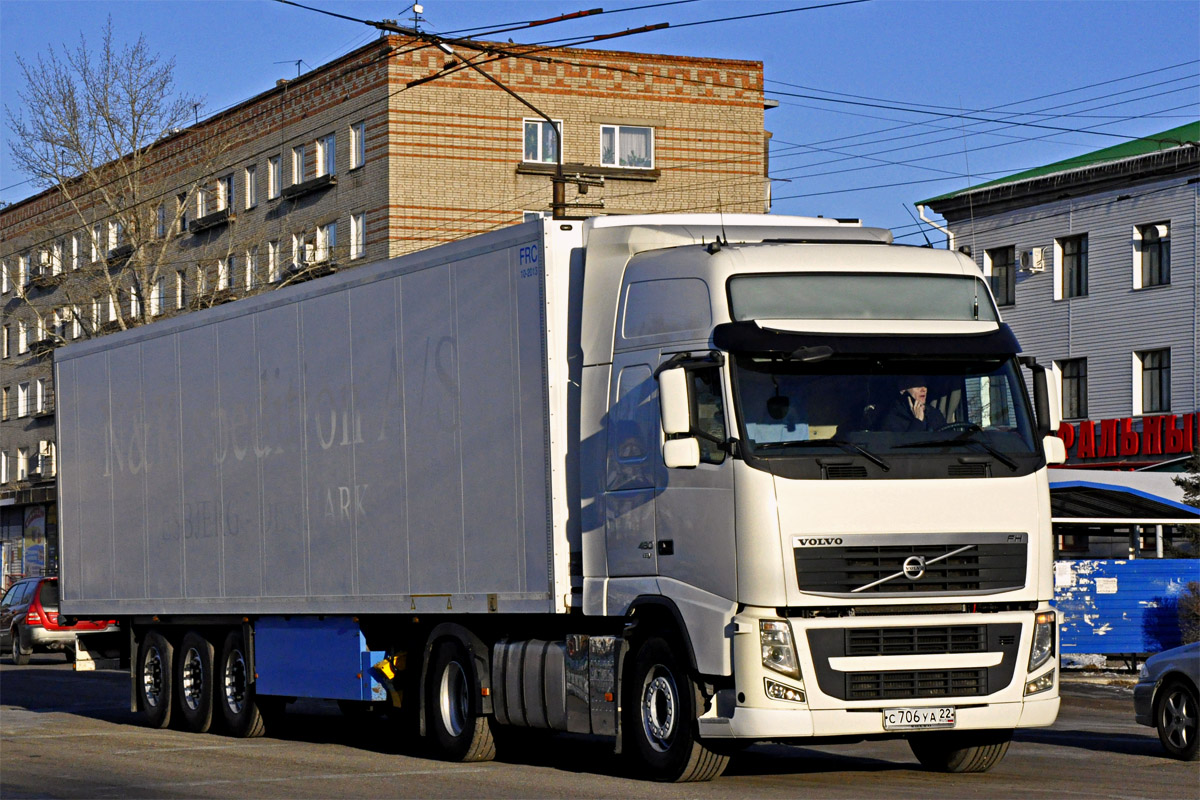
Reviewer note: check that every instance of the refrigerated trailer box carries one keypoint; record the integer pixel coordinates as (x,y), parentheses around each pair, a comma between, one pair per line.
(682,480)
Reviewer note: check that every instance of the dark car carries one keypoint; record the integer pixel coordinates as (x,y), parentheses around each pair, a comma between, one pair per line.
(29,621)
(1165,698)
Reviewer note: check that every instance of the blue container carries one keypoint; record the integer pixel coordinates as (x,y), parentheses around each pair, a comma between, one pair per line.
(324,657)
(1111,607)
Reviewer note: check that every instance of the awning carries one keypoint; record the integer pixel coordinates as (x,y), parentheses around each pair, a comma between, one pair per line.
(1081,501)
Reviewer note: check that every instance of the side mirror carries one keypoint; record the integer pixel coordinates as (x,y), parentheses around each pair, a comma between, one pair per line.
(673,403)
(1056,450)
(684,453)
(1045,399)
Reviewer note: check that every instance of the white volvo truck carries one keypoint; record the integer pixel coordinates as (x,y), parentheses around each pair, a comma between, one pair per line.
(687,481)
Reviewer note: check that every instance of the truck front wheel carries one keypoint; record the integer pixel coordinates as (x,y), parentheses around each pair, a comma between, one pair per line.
(155,661)
(661,718)
(238,703)
(194,682)
(960,751)
(458,731)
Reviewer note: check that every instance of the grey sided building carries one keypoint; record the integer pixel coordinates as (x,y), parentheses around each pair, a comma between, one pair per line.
(1093,262)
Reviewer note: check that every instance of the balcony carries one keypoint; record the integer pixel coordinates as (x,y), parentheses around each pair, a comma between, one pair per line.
(213,220)
(319,183)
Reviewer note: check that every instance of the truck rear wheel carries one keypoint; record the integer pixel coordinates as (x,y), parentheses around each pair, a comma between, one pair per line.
(960,751)
(194,682)
(236,698)
(155,662)
(458,731)
(661,711)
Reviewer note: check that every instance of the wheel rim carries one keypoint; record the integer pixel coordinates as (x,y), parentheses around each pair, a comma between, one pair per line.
(1179,719)
(235,682)
(192,678)
(152,675)
(452,698)
(660,702)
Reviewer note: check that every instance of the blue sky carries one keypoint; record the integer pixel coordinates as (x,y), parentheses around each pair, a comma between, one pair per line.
(881,103)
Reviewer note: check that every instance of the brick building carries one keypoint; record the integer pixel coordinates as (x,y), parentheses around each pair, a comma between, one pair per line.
(392,148)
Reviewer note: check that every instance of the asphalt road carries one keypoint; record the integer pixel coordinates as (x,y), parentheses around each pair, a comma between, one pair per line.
(66,734)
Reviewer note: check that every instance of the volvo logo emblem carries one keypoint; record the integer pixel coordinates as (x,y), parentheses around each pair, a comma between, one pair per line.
(914,567)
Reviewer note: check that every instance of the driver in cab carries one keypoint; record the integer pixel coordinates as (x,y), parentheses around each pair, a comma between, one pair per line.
(910,413)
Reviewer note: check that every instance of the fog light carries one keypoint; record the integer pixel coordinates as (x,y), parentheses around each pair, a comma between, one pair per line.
(1040,684)
(779,691)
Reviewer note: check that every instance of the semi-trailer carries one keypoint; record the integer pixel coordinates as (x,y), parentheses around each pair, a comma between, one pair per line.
(685,481)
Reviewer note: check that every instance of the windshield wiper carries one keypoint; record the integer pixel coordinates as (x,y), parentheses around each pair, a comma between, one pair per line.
(966,438)
(849,447)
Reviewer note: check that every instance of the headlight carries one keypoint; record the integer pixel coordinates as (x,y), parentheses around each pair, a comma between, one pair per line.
(1144,672)
(777,650)
(1043,639)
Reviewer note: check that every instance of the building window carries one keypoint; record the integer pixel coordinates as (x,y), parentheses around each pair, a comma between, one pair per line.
(135,302)
(297,249)
(41,395)
(226,196)
(326,155)
(75,248)
(4,401)
(181,212)
(626,146)
(358,235)
(251,186)
(358,141)
(97,238)
(56,257)
(180,288)
(298,164)
(1074,388)
(160,225)
(251,268)
(76,322)
(22,338)
(202,202)
(6,342)
(5,286)
(1004,274)
(273,261)
(156,297)
(1155,369)
(23,399)
(541,142)
(1074,251)
(4,466)
(326,241)
(22,463)
(1153,248)
(274,177)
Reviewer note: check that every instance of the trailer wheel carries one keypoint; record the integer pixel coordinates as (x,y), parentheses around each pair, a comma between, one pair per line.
(661,707)
(155,662)
(960,751)
(458,731)
(240,707)
(194,682)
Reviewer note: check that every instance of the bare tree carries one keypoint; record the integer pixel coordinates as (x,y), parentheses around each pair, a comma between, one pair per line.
(105,130)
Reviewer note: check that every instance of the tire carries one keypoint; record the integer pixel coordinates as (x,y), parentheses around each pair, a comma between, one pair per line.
(456,728)
(155,665)
(661,709)
(1175,712)
(240,709)
(18,657)
(194,682)
(960,751)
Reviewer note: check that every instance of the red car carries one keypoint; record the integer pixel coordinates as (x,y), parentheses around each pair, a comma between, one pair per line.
(29,621)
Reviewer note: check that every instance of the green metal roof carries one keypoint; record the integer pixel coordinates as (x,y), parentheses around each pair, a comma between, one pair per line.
(1175,137)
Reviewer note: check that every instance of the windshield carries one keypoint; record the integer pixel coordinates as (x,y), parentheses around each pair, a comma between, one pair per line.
(887,406)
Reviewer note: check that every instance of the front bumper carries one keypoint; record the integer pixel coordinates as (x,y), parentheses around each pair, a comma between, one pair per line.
(766,723)
(1143,703)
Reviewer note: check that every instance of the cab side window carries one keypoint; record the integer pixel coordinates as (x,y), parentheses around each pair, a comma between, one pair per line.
(708,412)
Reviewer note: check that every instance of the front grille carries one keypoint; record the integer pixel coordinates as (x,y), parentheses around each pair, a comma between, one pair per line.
(984,567)
(923,683)
(914,641)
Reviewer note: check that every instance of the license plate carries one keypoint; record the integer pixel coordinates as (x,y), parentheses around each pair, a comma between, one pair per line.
(915,719)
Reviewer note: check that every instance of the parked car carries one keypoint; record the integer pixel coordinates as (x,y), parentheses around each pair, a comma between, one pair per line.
(1165,698)
(29,621)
